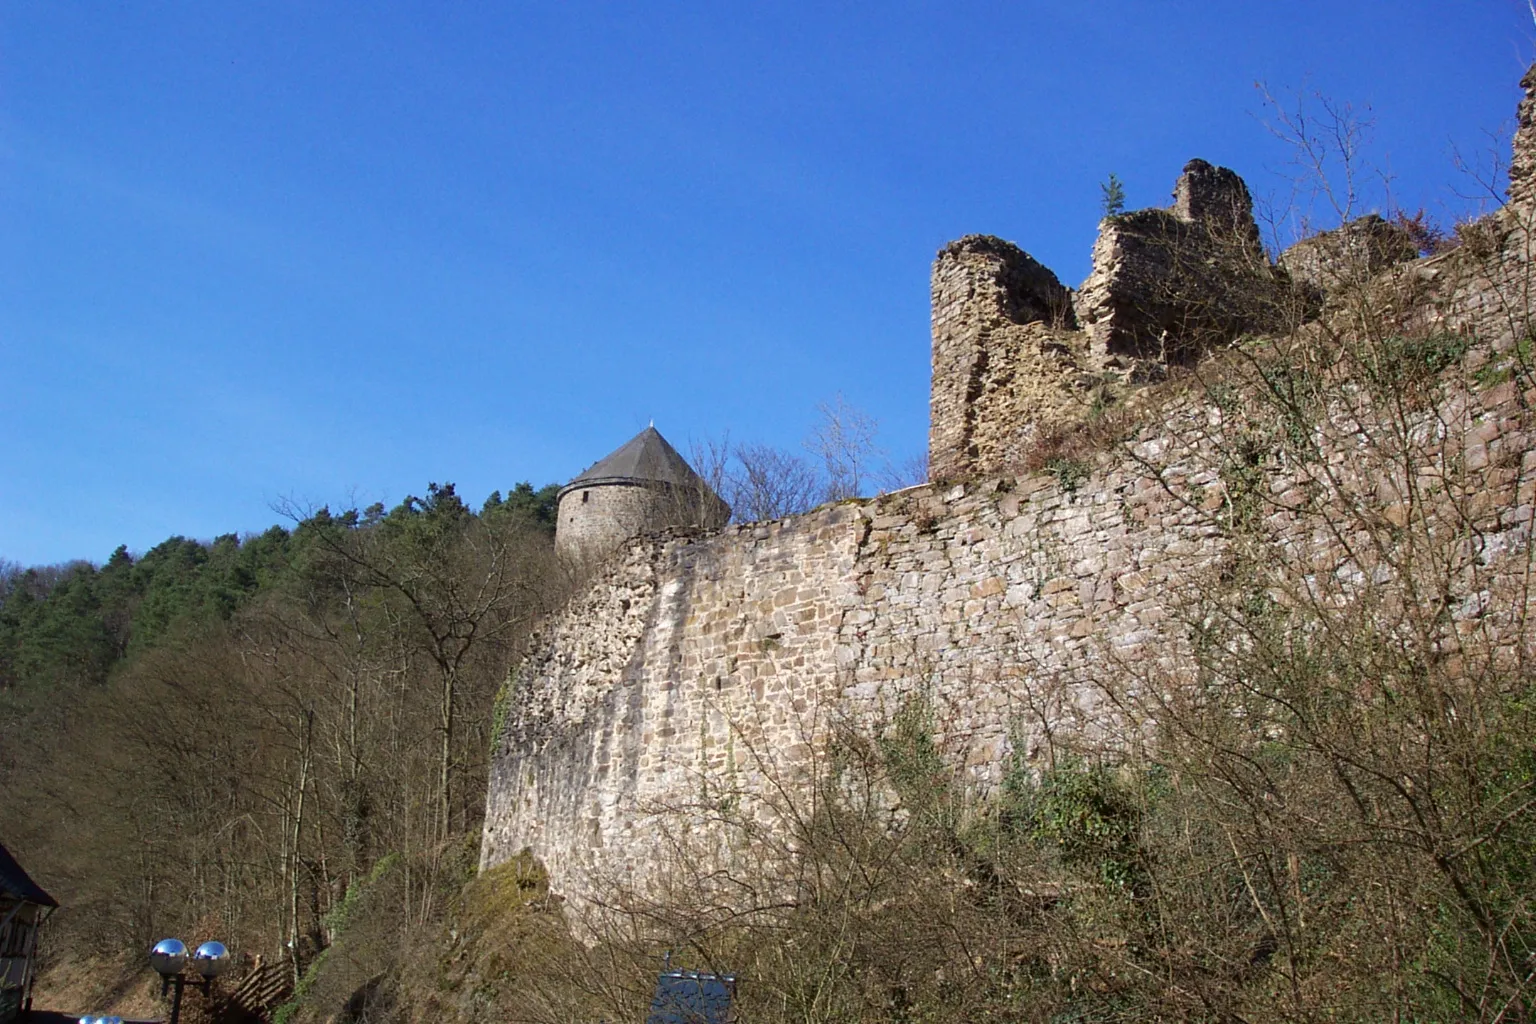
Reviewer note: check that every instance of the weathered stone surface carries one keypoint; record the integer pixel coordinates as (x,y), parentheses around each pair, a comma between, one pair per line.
(1168,285)
(1216,198)
(702,673)
(1522,165)
(592,521)
(1348,255)
(1481,290)
(701,676)
(1001,351)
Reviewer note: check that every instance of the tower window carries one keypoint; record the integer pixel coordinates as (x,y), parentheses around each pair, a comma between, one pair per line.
(584,496)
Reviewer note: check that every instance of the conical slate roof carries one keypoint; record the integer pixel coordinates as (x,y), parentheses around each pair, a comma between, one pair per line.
(644,458)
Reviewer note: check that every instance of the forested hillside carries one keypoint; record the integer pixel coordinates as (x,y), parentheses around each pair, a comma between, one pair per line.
(217,739)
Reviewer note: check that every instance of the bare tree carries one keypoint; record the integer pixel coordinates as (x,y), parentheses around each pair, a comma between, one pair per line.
(454,588)
(770,483)
(844,443)
(909,472)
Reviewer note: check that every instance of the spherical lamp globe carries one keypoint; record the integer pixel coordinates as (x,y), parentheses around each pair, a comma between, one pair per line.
(211,959)
(168,957)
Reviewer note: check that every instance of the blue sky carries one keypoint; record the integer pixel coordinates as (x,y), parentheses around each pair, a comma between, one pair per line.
(333,252)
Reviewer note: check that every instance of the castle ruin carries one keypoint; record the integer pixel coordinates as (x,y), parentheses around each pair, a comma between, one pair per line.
(700,670)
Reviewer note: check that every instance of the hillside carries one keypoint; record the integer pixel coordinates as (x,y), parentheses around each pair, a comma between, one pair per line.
(243,728)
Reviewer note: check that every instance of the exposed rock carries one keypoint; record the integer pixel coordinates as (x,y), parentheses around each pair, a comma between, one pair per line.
(1002,353)
(1170,284)
(1522,164)
(1349,254)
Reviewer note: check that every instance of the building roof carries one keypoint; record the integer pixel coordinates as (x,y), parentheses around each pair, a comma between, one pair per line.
(644,458)
(17,884)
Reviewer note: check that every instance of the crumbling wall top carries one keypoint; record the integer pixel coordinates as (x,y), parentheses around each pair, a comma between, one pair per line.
(1018,287)
(991,368)
(1349,254)
(1522,164)
(1168,284)
(1217,198)
(1011,358)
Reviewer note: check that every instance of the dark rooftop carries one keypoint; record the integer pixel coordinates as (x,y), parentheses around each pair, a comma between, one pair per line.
(644,458)
(17,884)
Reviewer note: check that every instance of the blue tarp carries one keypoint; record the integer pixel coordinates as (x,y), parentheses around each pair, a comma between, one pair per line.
(688,997)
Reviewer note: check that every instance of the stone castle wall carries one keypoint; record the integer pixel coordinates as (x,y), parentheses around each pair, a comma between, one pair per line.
(700,671)
(695,668)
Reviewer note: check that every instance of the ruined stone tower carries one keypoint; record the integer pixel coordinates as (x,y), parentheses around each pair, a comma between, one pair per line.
(644,485)
(999,321)
(1016,354)
(1169,284)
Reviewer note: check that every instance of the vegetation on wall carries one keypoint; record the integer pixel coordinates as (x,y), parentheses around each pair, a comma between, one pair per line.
(1311,796)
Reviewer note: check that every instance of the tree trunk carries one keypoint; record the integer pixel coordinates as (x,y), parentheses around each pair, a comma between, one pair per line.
(445,765)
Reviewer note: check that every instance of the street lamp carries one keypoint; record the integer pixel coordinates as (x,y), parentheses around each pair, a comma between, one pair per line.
(169,959)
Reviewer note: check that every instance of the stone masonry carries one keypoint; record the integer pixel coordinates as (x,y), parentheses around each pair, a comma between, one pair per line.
(698,669)
(1359,249)
(1168,285)
(1522,165)
(1002,353)
(1218,200)
(596,520)
(703,671)
(1016,355)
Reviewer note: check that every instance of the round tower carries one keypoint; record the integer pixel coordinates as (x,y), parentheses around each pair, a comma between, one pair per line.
(644,485)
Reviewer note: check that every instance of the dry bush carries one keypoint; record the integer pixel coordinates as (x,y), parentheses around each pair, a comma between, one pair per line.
(1350,791)
(869,884)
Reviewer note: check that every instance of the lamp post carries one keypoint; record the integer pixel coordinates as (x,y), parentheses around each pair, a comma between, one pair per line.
(169,958)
